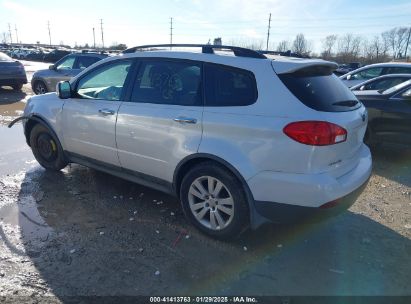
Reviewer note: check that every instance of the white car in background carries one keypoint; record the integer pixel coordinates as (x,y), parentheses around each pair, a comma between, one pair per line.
(374,70)
(239,137)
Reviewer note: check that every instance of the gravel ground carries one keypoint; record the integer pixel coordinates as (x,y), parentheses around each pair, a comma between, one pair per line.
(81,232)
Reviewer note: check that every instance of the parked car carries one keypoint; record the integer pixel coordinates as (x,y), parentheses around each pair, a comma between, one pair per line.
(374,70)
(381,83)
(44,81)
(12,72)
(389,114)
(240,139)
(55,55)
(345,68)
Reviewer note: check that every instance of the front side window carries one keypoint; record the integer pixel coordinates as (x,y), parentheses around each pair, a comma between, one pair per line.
(228,87)
(367,74)
(66,64)
(398,70)
(105,83)
(168,82)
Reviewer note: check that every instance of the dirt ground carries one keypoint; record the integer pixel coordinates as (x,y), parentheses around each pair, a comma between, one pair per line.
(82,232)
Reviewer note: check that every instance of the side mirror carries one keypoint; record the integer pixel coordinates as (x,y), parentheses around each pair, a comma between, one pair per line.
(348,77)
(362,88)
(52,67)
(63,89)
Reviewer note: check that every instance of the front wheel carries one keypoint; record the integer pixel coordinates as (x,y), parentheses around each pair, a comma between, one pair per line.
(39,87)
(46,148)
(214,201)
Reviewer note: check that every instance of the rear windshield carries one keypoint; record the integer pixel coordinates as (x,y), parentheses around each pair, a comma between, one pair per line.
(320,90)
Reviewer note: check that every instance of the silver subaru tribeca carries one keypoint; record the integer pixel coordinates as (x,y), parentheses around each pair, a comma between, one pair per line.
(240,138)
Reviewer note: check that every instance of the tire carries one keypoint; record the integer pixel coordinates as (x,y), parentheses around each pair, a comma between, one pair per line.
(222,212)
(47,149)
(17,87)
(39,87)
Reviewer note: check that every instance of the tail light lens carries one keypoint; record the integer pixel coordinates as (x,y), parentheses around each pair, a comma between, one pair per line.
(316,133)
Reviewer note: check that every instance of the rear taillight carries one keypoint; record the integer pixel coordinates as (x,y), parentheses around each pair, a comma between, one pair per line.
(316,133)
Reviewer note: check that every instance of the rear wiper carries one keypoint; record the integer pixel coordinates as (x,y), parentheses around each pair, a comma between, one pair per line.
(346,103)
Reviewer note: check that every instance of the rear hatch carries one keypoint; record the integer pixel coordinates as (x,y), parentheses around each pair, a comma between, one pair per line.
(314,85)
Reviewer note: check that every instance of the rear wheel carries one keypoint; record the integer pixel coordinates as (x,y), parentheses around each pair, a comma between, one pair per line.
(214,201)
(39,87)
(17,87)
(46,148)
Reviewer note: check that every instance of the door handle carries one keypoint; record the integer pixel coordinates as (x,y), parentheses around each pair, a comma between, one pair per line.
(184,120)
(106,112)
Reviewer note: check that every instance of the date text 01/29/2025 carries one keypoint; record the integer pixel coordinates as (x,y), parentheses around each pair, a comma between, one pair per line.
(204,299)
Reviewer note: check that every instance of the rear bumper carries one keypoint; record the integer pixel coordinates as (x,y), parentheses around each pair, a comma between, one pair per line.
(286,213)
(12,80)
(283,197)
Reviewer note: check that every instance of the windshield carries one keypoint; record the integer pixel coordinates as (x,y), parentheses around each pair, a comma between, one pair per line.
(4,57)
(397,87)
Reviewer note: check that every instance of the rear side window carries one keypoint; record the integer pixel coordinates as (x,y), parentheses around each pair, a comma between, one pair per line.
(229,87)
(85,61)
(320,90)
(168,82)
(398,70)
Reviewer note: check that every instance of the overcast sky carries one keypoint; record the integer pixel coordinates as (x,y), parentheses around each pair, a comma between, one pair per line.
(196,21)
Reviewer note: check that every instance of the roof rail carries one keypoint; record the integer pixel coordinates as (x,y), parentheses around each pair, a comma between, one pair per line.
(287,54)
(205,48)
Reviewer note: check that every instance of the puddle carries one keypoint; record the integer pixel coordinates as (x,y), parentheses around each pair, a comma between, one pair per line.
(15,154)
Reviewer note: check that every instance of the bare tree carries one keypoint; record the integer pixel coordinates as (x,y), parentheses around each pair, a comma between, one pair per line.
(254,44)
(328,45)
(349,47)
(283,46)
(300,45)
(397,38)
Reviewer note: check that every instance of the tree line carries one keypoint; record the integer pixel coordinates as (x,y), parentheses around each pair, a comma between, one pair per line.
(394,44)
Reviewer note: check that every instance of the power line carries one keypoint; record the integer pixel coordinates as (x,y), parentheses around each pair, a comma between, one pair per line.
(102,33)
(48,25)
(268,31)
(11,38)
(94,38)
(171,31)
(17,37)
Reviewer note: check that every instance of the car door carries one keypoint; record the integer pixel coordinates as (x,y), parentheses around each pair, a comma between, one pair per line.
(162,122)
(397,118)
(89,118)
(63,70)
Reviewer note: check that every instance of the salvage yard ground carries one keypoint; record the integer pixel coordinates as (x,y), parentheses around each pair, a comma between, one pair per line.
(82,232)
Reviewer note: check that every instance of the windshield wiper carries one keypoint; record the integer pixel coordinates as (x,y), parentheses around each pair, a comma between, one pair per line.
(345,103)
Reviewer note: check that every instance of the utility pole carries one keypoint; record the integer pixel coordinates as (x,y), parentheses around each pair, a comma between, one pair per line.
(4,38)
(48,26)
(17,36)
(171,31)
(94,38)
(408,40)
(11,38)
(268,31)
(102,34)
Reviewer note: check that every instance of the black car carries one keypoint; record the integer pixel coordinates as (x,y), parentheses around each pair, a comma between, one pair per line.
(389,114)
(55,55)
(12,72)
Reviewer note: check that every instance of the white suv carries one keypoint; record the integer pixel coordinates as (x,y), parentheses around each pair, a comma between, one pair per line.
(239,137)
